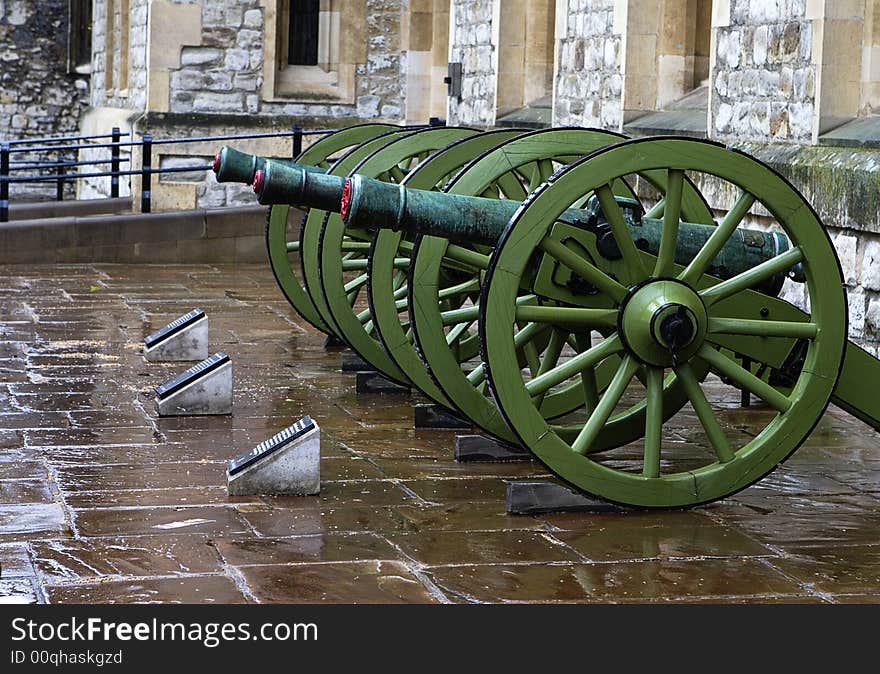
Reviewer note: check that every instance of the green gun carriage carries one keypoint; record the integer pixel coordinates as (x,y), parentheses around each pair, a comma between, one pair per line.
(599,319)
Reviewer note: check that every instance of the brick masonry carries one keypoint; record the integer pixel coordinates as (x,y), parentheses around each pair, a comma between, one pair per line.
(474,46)
(764,84)
(38,97)
(589,81)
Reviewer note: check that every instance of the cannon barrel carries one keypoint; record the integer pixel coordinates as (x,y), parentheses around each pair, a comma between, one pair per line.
(373,204)
(233,166)
(366,203)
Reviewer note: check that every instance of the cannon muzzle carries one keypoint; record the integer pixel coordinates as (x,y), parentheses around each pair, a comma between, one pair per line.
(232,166)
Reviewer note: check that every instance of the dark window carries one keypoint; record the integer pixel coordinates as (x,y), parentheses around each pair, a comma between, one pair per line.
(79,42)
(302,47)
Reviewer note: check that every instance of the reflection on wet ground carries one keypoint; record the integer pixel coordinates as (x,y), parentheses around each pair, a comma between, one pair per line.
(101,501)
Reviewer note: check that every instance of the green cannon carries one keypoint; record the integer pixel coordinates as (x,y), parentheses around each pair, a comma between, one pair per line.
(366,203)
(600,321)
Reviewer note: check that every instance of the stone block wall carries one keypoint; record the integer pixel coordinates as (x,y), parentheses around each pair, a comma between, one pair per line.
(38,97)
(764,77)
(474,45)
(589,82)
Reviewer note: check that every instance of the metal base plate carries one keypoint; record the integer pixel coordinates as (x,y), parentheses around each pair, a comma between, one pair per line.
(479,448)
(531,497)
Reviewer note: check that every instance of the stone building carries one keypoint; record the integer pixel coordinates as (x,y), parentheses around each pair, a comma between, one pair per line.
(44,66)
(795,82)
(192,68)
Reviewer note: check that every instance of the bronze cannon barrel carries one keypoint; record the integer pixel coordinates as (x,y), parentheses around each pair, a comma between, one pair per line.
(366,203)
(233,166)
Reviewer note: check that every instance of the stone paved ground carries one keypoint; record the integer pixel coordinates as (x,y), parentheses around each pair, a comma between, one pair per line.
(101,501)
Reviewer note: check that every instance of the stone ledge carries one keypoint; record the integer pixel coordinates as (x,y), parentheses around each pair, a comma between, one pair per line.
(60,209)
(200,235)
(841,183)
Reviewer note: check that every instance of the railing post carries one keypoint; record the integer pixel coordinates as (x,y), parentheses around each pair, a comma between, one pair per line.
(146,171)
(297,141)
(4,182)
(59,184)
(114,165)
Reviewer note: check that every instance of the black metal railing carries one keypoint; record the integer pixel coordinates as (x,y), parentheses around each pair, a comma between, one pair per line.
(64,171)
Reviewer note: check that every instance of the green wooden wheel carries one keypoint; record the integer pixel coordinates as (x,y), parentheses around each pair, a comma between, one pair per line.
(533,157)
(655,472)
(355,248)
(283,223)
(391,163)
(388,308)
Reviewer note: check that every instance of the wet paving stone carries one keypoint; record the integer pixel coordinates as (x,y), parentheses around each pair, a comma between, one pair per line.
(358,583)
(25,491)
(80,560)
(465,490)
(468,517)
(121,476)
(190,590)
(102,501)
(835,570)
(31,519)
(15,561)
(303,549)
(470,547)
(607,544)
(166,496)
(317,519)
(619,582)
(219,521)
(19,591)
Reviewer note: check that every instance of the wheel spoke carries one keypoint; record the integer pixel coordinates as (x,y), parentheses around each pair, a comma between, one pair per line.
(349,245)
(744,378)
(531,356)
(653,421)
(464,314)
(603,410)
(355,283)
(657,209)
(355,265)
(535,177)
(457,332)
(460,288)
(588,376)
(293,246)
(401,292)
(396,174)
(671,218)
(718,238)
(584,268)
(467,256)
(589,358)
(398,280)
(478,375)
(701,406)
(567,315)
(750,277)
(745,326)
(528,333)
(625,244)
(551,357)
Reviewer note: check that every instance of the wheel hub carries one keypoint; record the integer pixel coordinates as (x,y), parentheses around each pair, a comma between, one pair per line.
(663,322)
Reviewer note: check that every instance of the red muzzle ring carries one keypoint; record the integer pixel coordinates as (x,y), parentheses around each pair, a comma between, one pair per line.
(346,200)
(259,179)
